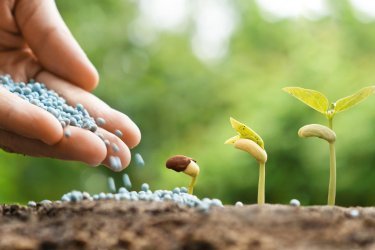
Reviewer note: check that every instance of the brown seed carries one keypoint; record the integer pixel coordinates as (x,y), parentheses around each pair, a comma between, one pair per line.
(178,162)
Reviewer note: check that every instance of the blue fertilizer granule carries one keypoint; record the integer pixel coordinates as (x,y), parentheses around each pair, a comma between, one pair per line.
(178,195)
(38,94)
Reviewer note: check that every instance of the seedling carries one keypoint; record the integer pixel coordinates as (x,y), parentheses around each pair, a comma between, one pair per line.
(249,141)
(181,163)
(320,103)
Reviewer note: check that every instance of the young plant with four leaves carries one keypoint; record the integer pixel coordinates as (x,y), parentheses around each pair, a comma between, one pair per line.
(320,103)
(249,141)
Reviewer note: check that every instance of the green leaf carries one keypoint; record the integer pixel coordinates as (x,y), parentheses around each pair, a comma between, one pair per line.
(245,132)
(349,101)
(312,98)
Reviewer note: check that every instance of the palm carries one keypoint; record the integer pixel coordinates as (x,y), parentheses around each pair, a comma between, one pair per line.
(35,43)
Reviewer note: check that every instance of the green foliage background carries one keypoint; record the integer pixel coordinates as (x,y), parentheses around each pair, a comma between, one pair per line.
(183,106)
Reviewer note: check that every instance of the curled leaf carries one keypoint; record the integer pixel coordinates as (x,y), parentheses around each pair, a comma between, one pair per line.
(312,98)
(245,132)
(349,101)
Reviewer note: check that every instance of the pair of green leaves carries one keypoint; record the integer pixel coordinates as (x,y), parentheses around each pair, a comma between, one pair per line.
(320,103)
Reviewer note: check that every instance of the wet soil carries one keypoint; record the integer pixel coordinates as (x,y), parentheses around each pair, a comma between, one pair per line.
(161,225)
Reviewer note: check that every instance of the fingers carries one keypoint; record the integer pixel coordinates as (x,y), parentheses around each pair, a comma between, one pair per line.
(115,148)
(114,120)
(21,117)
(82,145)
(56,49)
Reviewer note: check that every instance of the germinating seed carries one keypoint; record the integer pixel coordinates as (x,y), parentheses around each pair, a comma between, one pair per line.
(38,94)
(126,181)
(139,160)
(294,203)
(111,185)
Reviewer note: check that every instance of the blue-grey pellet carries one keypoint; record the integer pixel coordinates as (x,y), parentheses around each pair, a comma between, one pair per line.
(118,133)
(67,133)
(126,181)
(122,190)
(115,148)
(354,213)
(145,187)
(294,203)
(139,160)
(239,204)
(115,162)
(100,121)
(31,204)
(111,185)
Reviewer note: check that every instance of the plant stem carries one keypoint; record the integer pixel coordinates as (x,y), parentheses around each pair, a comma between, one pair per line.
(261,184)
(332,175)
(191,185)
(330,121)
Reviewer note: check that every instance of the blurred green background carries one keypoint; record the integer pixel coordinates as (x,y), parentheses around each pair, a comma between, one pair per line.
(181,68)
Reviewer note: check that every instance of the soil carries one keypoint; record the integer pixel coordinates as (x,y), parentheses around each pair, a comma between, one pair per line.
(161,225)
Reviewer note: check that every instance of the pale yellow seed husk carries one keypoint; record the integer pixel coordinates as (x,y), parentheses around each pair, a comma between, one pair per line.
(317,130)
(252,148)
(192,169)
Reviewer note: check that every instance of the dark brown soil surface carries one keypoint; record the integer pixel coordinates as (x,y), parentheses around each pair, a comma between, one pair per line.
(160,225)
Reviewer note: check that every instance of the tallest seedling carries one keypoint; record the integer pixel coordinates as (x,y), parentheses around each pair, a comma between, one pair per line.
(320,103)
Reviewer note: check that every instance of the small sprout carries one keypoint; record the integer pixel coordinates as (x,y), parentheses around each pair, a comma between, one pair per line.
(320,103)
(181,163)
(295,203)
(111,185)
(249,141)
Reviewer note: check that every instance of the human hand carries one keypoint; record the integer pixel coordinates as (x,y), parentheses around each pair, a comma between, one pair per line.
(35,43)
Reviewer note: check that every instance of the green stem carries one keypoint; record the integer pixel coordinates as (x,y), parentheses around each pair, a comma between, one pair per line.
(191,185)
(330,121)
(261,184)
(332,175)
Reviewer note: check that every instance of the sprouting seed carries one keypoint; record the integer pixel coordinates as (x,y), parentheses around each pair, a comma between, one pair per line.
(181,163)
(67,133)
(115,148)
(118,133)
(100,121)
(126,181)
(111,185)
(139,160)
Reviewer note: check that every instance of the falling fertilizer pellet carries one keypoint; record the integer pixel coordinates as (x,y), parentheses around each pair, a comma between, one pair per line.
(126,181)
(115,162)
(38,94)
(111,185)
(139,160)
